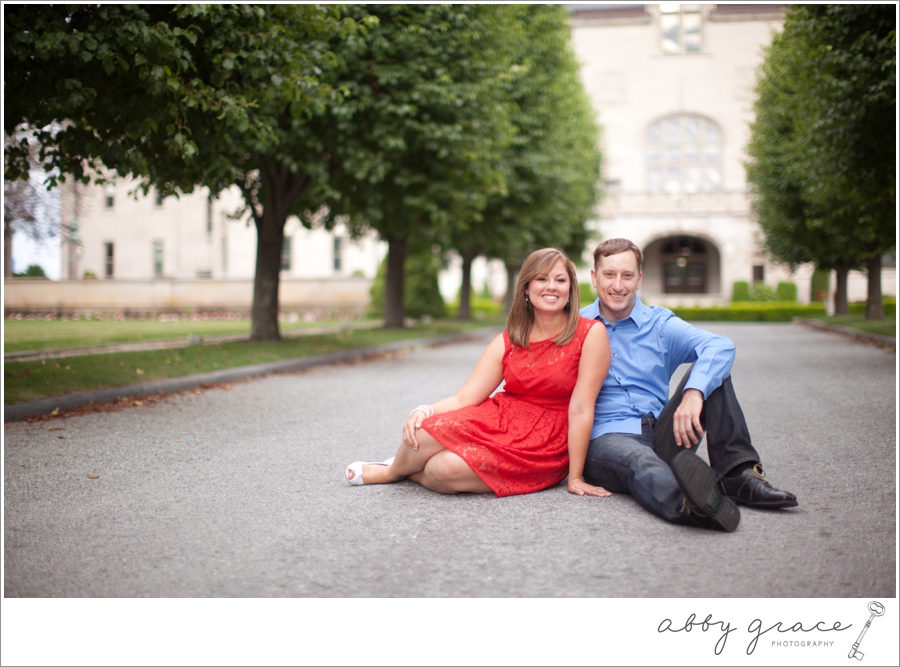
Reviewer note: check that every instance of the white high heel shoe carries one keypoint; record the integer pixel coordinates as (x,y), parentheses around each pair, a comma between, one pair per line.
(356,468)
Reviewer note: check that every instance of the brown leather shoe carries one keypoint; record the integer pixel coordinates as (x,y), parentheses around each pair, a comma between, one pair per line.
(753,489)
(703,503)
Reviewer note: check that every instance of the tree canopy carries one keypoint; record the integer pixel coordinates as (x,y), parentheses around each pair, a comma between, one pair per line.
(822,145)
(434,125)
(181,96)
(421,149)
(553,164)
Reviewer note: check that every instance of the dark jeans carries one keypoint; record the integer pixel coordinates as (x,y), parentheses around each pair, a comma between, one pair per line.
(638,464)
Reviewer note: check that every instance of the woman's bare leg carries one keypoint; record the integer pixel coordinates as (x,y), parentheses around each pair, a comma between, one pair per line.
(432,465)
(446,472)
(407,461)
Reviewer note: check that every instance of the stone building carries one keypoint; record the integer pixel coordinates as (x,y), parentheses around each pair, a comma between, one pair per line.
(123,235)
(673,87)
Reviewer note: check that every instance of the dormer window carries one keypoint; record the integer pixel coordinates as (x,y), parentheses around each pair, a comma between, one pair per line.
(680,28)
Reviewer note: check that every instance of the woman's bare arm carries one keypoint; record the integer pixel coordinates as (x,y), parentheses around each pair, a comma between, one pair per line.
(484,379)
(592,370)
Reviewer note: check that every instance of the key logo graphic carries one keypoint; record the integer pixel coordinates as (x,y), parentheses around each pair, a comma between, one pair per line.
(876,609)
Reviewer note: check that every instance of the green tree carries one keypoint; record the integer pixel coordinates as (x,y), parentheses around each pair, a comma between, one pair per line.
(553,164)
(33,271)
(182,96)
(823,142)
(420,148)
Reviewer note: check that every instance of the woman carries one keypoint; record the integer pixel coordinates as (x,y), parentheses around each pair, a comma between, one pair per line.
(529,436)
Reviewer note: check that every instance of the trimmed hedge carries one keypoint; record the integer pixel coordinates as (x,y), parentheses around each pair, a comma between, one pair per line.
(479,306)
(818,286)
(786,291)
(762,293)
(586,294)
(859,307)
(740,291)
(768,311)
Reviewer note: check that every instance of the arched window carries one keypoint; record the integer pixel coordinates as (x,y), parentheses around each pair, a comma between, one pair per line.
(684,154)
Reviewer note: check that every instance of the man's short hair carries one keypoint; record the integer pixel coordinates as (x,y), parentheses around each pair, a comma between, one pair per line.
(614,247)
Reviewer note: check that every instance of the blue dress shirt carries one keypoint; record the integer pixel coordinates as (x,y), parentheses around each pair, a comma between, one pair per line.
(646,347)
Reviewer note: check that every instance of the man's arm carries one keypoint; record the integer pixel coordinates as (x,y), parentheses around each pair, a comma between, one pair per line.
(712,357)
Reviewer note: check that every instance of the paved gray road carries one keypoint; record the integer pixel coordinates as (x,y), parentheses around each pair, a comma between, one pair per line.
(240,492)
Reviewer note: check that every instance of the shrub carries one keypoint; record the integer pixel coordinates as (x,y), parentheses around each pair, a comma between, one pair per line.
(859,307)
(740,291)
(818,286)
(770,311)
(33,271)
(89,275)
(586,294)
(786,291)
(479,305)
(421,295)
(762,292)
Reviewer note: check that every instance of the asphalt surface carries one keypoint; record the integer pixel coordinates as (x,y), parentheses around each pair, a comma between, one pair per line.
(240,493)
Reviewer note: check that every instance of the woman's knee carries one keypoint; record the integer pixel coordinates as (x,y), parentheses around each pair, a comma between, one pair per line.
(447,467)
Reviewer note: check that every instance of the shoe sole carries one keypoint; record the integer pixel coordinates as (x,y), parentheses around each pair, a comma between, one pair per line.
(698,484)
(772,505)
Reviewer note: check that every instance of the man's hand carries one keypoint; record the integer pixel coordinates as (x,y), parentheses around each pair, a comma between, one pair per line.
(688,430)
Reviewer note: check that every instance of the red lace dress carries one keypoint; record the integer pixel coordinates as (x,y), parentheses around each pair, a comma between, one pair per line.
(517,440)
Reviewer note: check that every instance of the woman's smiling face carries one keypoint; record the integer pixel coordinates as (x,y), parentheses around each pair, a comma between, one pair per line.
(549,292)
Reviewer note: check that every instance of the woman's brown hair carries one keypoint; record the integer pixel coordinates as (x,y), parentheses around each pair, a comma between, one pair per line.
(521,315)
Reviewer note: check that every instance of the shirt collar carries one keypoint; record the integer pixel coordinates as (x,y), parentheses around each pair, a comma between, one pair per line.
(638,313)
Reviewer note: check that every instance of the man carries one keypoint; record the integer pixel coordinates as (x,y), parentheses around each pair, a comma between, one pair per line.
(644,443)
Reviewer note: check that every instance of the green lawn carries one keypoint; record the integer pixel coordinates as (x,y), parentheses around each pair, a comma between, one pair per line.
(885,327)
(31,380)
(25,335)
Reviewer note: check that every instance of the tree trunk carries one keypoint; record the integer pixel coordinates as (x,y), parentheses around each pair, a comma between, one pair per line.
(840,288)
(264,313)
(283,189)
(874,303)
(465,292)
(512,275)
(7,250)
(394,310)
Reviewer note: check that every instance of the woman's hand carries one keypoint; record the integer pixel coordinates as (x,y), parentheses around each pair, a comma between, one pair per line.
(412,425)
(581,488)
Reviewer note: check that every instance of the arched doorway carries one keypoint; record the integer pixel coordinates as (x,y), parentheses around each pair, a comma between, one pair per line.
(681,265)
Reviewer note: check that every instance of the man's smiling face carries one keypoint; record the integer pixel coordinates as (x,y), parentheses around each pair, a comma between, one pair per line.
(617,279)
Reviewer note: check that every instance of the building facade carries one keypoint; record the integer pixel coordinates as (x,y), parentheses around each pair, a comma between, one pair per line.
(112,232)
(673,85)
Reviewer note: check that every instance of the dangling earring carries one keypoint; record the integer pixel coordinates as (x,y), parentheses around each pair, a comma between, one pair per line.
(527,302)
